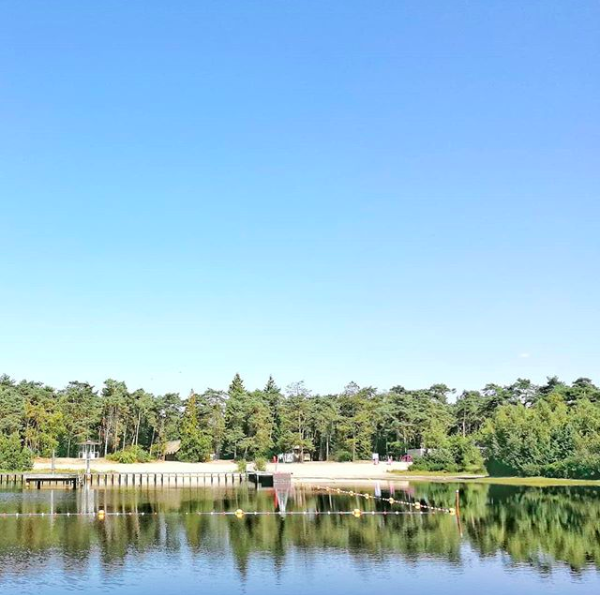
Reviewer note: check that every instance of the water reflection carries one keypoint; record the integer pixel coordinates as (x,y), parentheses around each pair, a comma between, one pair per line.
(538,528)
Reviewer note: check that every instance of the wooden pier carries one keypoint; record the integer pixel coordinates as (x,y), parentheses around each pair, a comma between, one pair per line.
(39,479)
(124,479)
(263,479)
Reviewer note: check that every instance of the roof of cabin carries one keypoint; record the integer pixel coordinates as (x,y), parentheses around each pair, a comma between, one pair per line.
(172,447)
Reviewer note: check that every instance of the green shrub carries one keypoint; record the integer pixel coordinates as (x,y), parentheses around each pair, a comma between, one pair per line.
(465,454)
(260,464)
(530,470)
(575,467)
(497,468)
(459,455)
(129,455)
(196,447)
(241,466)
(440,459)
(343,456)
(14,456)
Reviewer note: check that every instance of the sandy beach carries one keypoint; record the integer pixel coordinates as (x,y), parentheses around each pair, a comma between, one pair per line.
(300,471)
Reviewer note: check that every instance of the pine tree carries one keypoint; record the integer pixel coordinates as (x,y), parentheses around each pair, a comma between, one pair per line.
(196,441)
(273,399)
(236,409)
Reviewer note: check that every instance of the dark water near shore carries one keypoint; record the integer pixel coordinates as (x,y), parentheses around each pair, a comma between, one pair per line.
(507,540)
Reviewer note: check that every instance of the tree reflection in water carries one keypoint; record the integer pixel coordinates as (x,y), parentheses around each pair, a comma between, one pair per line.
(539,527)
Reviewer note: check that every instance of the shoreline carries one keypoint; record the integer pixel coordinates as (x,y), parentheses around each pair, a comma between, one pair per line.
(312,472)
(309,471)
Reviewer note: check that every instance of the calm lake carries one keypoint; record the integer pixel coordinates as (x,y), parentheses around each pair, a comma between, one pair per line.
(506,540)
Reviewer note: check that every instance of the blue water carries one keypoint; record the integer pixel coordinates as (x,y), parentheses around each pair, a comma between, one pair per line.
(505,541)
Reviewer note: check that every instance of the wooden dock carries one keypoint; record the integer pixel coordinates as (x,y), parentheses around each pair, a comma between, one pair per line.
(124,479)
(263,479)
(65,479)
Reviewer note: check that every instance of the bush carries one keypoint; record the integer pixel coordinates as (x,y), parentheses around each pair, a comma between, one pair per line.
(241,466)
(343,456)
(14,456)
(130,454)
(260,464)
(440,459)
(459,455)
(196,447)
(497,468)
(465,454)
(530,470)
(575,467)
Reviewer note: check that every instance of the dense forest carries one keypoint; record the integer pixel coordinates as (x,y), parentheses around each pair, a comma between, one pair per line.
(520,429)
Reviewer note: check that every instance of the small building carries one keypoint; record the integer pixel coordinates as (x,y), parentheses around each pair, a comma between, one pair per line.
(294,456)
(172,447)
(88,449)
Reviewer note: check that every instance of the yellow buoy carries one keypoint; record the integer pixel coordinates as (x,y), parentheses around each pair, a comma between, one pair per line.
(101,514)
(366,496)
(417,505)
(356,512)
(350,493)
(452,511)
(391,500)
(239,513)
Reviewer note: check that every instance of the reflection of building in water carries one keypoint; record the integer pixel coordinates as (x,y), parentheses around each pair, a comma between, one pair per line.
(282,482)
(86,500)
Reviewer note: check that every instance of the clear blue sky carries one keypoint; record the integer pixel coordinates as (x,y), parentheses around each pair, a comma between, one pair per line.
(382,191)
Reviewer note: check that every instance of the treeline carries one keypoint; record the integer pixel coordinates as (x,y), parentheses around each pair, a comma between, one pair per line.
(522,428)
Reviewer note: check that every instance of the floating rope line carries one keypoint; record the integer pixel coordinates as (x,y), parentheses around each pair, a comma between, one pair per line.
(419,509)
(415,505)
(239,513)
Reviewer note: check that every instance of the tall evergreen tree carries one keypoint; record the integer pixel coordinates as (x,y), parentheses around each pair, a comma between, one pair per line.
(196,441)
(236,409)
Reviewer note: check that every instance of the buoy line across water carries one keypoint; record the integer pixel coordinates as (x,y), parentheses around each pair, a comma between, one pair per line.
(390,500)
(101,514)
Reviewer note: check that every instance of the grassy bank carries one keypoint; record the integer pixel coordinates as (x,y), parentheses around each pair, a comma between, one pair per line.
(435,474)
(509,481)
(536,481)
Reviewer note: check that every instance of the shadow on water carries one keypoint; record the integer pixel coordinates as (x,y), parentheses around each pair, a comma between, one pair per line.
(536,527)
